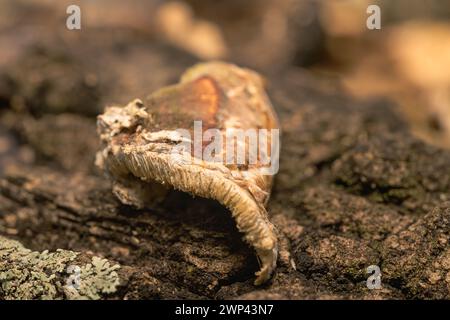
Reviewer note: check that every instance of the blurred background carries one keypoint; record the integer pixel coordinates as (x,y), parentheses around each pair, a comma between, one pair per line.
(52,77)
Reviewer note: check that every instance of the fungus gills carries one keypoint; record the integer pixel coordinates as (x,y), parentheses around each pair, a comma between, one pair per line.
(142,156)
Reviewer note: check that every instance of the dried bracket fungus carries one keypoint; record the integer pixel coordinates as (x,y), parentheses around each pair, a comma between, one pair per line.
(141,151)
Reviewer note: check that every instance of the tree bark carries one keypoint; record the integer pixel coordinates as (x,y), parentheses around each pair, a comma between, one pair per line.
(355,189)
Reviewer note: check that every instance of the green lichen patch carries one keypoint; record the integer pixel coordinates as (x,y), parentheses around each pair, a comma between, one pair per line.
(26,274)
(96,279)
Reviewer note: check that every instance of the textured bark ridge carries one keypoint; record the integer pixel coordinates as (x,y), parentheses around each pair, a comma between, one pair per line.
(142,146)
(354,189)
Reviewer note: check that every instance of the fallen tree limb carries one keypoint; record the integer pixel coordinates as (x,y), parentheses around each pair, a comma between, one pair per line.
(334,200)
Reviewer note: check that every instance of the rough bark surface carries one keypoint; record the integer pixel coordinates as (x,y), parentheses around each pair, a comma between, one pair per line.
(355,189)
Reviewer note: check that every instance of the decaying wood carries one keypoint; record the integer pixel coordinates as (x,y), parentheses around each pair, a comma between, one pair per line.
(335,202)
(354,189)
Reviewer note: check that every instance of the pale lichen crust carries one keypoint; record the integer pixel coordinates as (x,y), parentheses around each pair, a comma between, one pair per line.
(26,274)
(140,154)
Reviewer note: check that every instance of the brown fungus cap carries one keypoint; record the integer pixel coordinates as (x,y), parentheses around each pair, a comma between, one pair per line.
(141,148)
